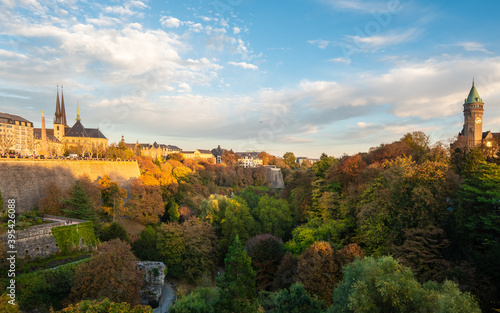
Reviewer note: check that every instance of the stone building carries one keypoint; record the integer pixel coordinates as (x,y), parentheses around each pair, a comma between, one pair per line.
(472,134)
(16,135)
(87,140)
(199,154)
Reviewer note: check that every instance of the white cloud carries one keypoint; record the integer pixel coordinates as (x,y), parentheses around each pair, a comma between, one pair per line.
(473,46)
(341,60)
(322,44)
(169,21)
(245,65)
(372,43)
(365,6)
(236,30)
(363,125)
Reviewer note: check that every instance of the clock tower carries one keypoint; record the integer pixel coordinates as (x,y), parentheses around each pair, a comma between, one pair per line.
(473,118)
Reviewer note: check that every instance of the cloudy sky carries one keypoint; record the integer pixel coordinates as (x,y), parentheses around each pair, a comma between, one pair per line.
(334,76)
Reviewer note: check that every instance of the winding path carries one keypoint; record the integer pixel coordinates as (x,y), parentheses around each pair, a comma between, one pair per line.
(166,299)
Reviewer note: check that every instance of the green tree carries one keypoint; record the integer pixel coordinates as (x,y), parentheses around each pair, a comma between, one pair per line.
(321,167)
(173,211)
(290,160)
(145,246)
(384,285)
(78,204)
(274,216)
(171,247)
(201,300)
(237,221)
(237,284)
(295,300)
(113,231)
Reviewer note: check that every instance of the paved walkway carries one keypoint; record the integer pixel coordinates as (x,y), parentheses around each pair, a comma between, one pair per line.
(167,297)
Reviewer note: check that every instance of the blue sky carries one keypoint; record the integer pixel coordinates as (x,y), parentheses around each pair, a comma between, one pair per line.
(315,76)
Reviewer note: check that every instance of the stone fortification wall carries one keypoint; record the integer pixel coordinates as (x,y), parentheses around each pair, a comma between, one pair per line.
(275,177)
(25,180)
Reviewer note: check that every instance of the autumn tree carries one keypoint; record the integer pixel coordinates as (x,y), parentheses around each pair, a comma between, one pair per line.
(189,249)
(146,204)
(318,270)
(52,203)
(237,284)
(112,196)
(321,167)
(105,305)
(290,160)
(110,273)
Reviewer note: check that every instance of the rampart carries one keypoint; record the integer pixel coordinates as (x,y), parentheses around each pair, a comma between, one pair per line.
(25,180)
(39,241)
(275,177)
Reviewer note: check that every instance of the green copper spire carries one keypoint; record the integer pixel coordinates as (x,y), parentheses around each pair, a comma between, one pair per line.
(78,112)
(473,95)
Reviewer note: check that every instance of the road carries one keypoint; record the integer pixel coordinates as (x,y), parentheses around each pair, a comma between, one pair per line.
(167,297)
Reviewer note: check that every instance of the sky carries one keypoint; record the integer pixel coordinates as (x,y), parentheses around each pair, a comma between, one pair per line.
(332,76)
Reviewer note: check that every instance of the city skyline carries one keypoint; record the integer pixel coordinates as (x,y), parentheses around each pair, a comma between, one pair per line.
(328,76)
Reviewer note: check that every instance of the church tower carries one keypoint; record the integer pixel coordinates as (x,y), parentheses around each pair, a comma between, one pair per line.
(59,118)
(473,118)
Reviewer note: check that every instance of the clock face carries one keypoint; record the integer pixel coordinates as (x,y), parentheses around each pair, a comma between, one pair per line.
(478,120)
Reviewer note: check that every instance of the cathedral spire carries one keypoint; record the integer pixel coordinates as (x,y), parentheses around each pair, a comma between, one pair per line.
(78,112)
(57,117)
(63,110)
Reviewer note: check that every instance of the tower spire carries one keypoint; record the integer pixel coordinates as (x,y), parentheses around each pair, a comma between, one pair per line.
(63,110)
(57,118)
(78,112)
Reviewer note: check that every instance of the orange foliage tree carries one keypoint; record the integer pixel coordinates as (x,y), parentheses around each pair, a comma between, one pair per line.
(110,273)
(146,204)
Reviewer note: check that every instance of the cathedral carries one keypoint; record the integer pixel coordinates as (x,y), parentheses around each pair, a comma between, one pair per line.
(62,137)
(472,134)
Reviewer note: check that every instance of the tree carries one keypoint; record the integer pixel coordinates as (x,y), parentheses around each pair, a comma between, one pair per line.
(78,204)
(274,216)
(384,285)
(319,271)
(237,284)
(295,300)
(112,196)
(200,254)
(201,300)
(110,273)
(290,160)
(113,231)
(171,247)
(105,305)
(52,203)
(266,252)
(173,211)
(237,221)
(286,273)
(145,246)
(146,204)
(321,167)
(6,306)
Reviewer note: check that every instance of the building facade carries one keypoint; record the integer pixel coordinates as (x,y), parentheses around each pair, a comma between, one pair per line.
(199,154)
(16,135)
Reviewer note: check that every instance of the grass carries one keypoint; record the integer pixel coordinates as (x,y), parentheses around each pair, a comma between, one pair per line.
(132,227)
